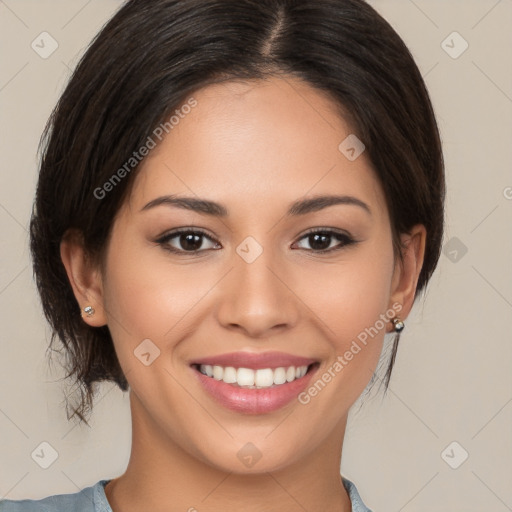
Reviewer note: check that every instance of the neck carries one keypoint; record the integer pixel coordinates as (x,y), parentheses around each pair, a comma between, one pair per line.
(161,475)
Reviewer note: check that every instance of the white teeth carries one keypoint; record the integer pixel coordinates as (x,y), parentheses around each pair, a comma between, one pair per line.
(254,379)
(245,377)
(229,375)
(218,372)
(279,376)
(264,378)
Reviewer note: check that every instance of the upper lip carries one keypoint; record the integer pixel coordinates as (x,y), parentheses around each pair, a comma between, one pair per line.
(255,361)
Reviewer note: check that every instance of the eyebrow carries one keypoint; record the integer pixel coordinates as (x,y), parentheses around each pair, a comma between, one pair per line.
(300,207)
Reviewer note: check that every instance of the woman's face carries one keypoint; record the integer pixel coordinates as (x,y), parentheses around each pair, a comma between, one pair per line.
(254,281)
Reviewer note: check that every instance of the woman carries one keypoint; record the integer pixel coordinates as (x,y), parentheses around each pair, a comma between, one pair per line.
(236,202)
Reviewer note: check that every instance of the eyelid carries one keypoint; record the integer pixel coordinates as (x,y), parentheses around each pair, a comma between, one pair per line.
(326,229)
(332,232)
(169,235)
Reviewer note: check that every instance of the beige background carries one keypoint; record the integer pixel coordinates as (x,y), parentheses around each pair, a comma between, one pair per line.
(452,380)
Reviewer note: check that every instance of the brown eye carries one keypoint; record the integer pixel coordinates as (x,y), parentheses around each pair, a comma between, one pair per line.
(325,240)
(187,241)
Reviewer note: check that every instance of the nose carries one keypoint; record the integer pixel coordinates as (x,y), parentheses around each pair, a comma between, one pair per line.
(256,298)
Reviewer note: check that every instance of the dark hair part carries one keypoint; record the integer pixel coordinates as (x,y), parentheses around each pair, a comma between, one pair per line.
(150,57)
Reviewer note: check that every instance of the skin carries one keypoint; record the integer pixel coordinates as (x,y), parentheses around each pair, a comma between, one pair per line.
(255,147)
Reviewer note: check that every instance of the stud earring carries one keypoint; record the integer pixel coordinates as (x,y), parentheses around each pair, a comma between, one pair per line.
(89,310)
(399,324)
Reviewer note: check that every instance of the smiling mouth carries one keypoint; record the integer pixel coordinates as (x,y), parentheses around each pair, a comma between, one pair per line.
(248,378)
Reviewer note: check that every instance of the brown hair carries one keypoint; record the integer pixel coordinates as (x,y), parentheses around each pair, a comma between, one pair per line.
(152,55)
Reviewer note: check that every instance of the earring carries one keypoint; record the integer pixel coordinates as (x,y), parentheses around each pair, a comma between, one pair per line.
(399,324)
(89,311)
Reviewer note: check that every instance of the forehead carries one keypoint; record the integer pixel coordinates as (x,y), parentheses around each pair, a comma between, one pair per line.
(256,141)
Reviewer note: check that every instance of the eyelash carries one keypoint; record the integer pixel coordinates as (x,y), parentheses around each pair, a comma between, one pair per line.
(346,240)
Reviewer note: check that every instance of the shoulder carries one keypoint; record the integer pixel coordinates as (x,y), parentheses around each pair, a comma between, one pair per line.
(89,499)
(357,502)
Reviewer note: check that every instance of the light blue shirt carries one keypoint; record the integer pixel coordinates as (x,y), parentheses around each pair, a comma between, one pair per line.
(93,499)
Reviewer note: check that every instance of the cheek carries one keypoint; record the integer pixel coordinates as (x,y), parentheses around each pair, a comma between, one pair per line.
(149,297)
(146,297)
(348,296)
(365,296)
(351,300)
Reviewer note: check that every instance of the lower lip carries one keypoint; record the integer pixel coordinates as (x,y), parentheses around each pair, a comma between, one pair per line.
(254,401)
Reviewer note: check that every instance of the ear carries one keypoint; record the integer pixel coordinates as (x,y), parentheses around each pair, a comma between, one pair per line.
(405,275)
(84,277)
